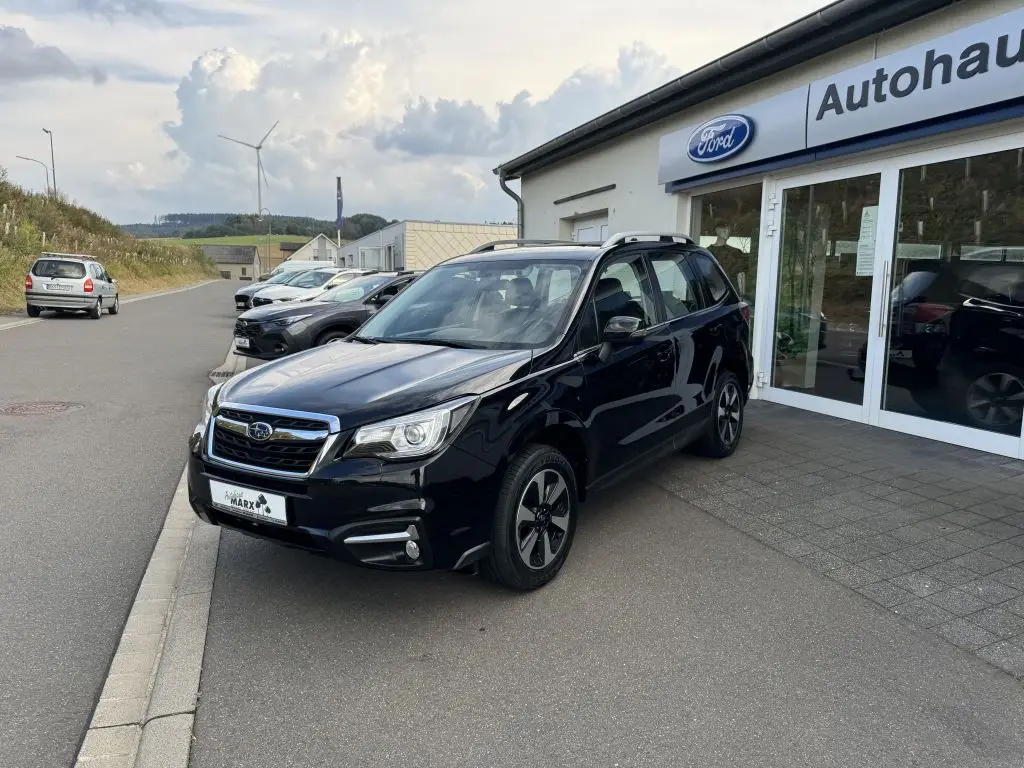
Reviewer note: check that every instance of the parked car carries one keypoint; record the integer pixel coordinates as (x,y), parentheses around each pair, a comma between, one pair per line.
(243,296)
(465,421)
(66,282)
(314,278)
(283,329)
(344,276)
(299,265)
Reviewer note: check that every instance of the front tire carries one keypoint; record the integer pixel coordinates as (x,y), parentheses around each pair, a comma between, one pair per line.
(534,520)
(725,425)
(32,311)
(96,312)
(332,337)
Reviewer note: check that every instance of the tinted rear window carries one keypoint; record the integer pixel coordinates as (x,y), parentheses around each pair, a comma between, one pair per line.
(72,270)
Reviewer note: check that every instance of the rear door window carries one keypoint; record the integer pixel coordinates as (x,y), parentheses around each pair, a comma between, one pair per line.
(70,270)
(675,280)
(711,273)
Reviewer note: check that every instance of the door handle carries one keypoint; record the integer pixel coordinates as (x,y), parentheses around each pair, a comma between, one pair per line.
(886,303)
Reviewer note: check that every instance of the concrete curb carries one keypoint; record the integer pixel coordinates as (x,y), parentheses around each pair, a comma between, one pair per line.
(233,364)
(152,687)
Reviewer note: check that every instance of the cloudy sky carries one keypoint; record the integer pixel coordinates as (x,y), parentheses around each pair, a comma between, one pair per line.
(411,102)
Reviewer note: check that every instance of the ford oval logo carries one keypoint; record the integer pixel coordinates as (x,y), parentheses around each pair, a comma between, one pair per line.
(720,139)
(259,431)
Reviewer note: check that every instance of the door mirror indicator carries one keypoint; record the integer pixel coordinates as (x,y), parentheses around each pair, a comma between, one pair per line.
(622,330)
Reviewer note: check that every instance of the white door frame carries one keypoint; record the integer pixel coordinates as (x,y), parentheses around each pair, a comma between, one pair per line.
(888,166)
(769,276)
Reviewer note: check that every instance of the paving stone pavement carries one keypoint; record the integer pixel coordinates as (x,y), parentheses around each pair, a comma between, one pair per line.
(930,531)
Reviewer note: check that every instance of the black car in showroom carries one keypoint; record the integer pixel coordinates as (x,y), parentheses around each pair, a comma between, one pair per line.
(277,330)
(462,425)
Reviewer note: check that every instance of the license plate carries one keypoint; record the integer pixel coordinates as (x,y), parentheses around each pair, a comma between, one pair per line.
(259,505)
(241,343)
(58,287)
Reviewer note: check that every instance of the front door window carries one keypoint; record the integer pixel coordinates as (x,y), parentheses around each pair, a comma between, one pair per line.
(955,346)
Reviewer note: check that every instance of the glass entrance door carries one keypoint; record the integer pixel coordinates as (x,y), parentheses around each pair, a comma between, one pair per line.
(826,240)
(952,361)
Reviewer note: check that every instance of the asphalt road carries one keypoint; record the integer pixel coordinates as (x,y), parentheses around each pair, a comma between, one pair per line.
(669,639)
(83,495)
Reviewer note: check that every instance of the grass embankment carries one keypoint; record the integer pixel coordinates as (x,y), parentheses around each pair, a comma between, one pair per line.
(139,266)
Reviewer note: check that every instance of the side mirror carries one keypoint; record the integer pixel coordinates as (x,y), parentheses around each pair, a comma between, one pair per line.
(380,301)
(622,330)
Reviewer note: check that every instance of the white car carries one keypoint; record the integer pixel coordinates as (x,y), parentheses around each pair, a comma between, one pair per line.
(340,279)
(315,278)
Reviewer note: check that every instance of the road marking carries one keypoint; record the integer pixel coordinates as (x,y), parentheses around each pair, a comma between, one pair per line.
(147,706)
(129,300)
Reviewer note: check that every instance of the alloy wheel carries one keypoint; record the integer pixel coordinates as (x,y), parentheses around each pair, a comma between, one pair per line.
(729,412)
(542,520)
(996,400)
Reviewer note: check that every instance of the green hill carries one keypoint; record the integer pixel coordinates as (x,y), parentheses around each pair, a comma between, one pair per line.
(32,223)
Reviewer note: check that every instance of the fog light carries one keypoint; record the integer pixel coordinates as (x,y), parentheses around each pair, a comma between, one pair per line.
(412,550)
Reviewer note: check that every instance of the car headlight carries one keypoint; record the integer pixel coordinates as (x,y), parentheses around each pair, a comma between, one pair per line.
(209,404)
(284,322)
(412,436)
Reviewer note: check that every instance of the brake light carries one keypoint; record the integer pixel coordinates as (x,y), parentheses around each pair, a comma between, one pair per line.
(88,285)
(929,313)
(28,282)
(745,311)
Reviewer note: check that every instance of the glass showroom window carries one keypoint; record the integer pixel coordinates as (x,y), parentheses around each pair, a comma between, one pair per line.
(955,347)
(728,224)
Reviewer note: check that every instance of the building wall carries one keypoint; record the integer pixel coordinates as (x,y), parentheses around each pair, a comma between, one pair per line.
(237,271)
(430,243)
(631,162)
(320,248)
(368,252)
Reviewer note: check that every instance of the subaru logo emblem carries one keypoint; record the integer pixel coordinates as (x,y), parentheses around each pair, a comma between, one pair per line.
(720,139)
(259,431)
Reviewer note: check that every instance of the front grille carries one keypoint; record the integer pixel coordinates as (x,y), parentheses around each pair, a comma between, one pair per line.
(296,456)
(242,301)
(246,330)
(278,422)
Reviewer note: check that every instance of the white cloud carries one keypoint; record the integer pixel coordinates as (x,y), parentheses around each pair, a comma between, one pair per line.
(413,113)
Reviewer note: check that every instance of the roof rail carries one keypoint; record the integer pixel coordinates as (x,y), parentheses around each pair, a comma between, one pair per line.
(523,243)
(621,238)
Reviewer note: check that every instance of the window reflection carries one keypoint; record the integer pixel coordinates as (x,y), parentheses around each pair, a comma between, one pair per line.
(728,224)
(955,346)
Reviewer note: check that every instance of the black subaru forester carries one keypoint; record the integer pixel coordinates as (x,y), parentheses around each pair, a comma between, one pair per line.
(462,425)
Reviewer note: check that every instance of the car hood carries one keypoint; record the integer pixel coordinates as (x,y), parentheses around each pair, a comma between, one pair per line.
(360,383)
(277,292)
(276,311)
(249,290)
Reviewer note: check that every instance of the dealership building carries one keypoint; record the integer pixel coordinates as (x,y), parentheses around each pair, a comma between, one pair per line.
(860,176)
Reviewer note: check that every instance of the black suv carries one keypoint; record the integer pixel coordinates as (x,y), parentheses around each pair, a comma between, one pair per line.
(465,421)
(283,329)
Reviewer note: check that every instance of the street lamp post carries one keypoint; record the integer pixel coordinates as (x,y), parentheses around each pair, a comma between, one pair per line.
(46,169)
(53,164)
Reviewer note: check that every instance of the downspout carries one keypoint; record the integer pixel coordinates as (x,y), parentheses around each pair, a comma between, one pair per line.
(519,206)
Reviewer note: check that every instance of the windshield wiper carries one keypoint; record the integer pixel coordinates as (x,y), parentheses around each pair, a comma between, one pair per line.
(362,339)
(435,343)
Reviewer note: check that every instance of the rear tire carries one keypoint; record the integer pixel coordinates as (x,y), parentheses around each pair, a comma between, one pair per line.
(331,337)
(96,312)
(32,311)
(725,425)
(115,307)
(534,520)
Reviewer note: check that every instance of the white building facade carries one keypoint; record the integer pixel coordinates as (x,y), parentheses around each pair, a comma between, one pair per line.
(865,193)
(419,244)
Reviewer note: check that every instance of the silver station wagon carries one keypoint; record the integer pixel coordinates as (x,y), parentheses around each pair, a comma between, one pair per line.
(67,282)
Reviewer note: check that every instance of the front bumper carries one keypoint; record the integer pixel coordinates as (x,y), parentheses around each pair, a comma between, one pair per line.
(269,342)
(356,510)
(55,300)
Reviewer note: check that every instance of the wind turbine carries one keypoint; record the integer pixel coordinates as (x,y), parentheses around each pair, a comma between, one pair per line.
(261,175)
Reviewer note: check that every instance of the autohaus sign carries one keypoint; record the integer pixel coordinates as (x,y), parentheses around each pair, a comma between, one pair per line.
(972,68)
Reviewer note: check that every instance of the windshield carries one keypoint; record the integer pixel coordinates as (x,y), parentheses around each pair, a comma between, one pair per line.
(356,289)
(55,268)
(517,304)
(281,277)
(312,279)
